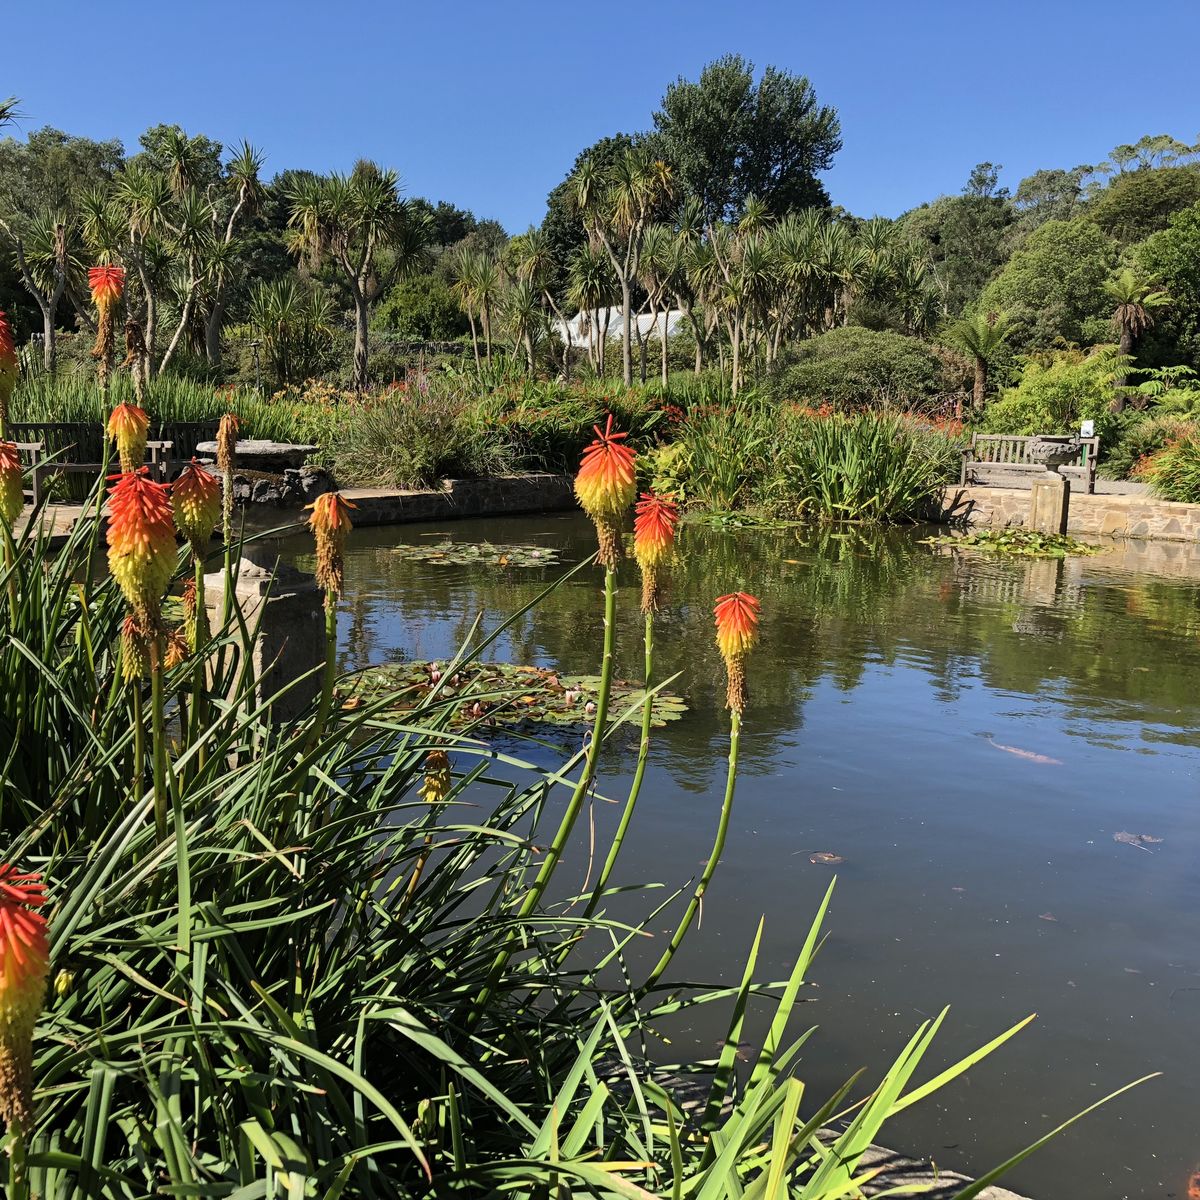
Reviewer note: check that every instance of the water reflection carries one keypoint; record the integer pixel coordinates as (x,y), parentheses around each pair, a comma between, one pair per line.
(894,687)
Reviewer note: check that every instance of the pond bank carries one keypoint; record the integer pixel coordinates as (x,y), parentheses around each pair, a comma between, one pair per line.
(1106,516)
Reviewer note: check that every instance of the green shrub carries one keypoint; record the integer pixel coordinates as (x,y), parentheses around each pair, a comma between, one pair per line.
(863,467)
(414,440)
(857,368)
(1174,472)
(423,308)
(1059,390)
(1140,437)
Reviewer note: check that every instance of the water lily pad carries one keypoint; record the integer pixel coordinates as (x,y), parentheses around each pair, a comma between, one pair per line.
(1025,543)
(507,694)
(463,554)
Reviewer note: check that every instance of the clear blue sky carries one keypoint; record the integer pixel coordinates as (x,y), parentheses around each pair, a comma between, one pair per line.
(487,104)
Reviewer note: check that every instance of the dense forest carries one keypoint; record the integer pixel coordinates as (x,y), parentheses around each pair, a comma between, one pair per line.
(716,213)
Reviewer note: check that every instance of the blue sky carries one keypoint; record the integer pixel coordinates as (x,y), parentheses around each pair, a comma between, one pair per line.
(487,104)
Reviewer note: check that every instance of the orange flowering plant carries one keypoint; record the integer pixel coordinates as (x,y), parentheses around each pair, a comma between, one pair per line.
(129,427)
(605,487)
(24,965)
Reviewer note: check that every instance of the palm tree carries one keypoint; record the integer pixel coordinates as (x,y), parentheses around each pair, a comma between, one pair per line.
(616,205)
(979,337)
(525,318)
(1135,298)
(591,291)
(533,263)
(47,256)
(349,219)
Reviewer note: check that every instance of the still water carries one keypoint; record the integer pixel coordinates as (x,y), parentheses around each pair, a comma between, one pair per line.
(969,734)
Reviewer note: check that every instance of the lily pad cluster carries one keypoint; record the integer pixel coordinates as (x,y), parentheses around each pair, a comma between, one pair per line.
(506,694)
(1025,543)
(462,554)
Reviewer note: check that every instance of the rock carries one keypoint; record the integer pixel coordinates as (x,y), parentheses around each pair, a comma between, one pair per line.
(295,487)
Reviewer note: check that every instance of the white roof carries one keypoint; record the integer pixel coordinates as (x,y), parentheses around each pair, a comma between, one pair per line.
(584,328)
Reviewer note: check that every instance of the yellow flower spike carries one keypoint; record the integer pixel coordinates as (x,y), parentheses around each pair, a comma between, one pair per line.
(605,487)
(737,633)
(227,432)
(438,780)
(129,427)
(135,649)
(196,505)
(330,523)
(12,489)
(24,967)
(141,543)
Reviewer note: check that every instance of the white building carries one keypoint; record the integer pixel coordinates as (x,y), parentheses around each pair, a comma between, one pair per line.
(585,331)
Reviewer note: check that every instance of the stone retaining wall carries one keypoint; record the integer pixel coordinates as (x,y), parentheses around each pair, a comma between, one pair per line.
(504,496)
(1090,515)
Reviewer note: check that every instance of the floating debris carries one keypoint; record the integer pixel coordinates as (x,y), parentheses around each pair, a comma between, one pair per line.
(1027,755)
(1143,841)
(505,694)
(825,858)
(464,554)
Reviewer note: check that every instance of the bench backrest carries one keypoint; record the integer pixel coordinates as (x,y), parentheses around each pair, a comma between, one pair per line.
(65,441)
(1004,448)
(185,436)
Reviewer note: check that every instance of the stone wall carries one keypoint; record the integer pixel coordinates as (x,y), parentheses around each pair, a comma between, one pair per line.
(506,495)
(1090,515)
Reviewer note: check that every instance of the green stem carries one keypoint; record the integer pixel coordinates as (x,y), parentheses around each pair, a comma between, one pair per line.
(159,740)
(554,854)
(639,774)
(735,728)
(18,1169)
(200,639)
(139,740)
(325,704)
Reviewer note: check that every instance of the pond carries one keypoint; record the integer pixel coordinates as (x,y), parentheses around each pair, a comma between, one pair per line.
(969,734)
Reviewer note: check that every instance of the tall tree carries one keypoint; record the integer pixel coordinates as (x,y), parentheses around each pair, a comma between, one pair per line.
(730,138)
(350,219)
(980,337)
(616,206)
(1135,298)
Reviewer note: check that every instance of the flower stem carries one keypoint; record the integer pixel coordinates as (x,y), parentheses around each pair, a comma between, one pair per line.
(325,704)
(554,853)
(735,728)
(200,644)
(639,774)
(159,739)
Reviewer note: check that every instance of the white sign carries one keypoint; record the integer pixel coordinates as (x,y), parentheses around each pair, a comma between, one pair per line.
(1087,429)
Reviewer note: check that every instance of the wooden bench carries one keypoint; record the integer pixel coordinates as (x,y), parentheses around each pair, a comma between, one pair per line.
(1002,460)
(69,447)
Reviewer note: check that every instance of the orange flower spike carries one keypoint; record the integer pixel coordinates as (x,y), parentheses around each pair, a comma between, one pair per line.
(654,523)
(606,484)
(605,487)
(107,285)
(737,632)
(141,542)
(129,427)
(227,432)
(12,493)
(653,539)
(24,966)
(196,503)
(330,523)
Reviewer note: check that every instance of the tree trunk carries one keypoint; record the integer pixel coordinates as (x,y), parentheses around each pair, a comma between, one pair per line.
(977,395)
(1125,348)
(637,329)
(474,341)
(361,351)
(663,347)
(736,356)
(49,338)
(626,330)
(486,317)
(212,331)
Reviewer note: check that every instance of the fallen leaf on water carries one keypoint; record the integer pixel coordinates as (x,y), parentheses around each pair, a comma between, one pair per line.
(1047,917)
(352,703)
(1132,971)
(1193,1187)
(826,858)
(1028,755)
(958,889)
(1143,841)
(795,562)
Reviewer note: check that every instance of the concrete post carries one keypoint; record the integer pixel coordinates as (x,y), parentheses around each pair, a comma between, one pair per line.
(1049,504)
(291,633)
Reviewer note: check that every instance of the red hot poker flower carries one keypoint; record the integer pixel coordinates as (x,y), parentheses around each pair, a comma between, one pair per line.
(330,523)
(654,529)
(24,965)
(129,427)
(737,632)
(8,370)
(605,486)
(107,284)
(141,542)
(196,503)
